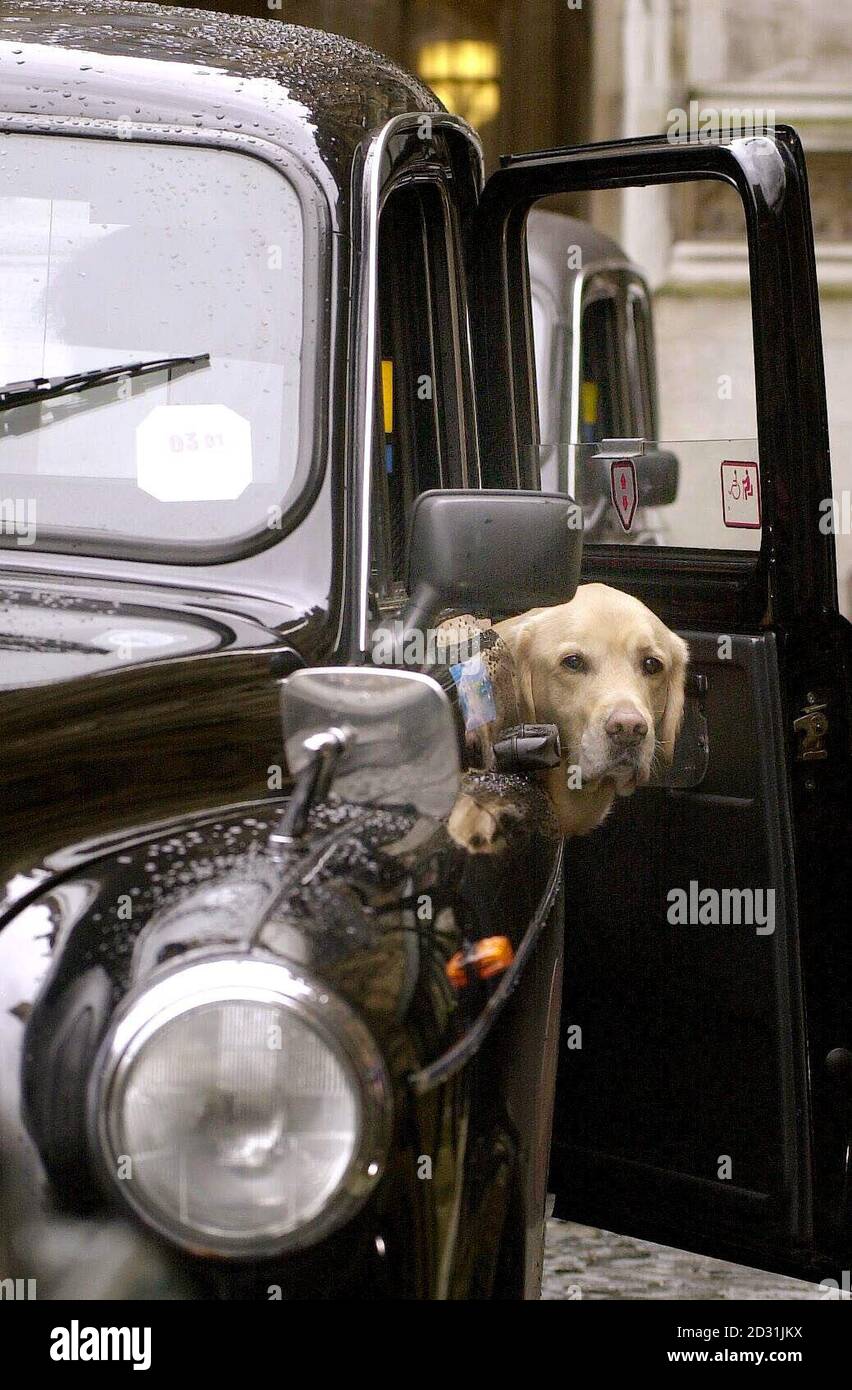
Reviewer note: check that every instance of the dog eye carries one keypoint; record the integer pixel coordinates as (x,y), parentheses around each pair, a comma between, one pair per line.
(574,662)
(651,665)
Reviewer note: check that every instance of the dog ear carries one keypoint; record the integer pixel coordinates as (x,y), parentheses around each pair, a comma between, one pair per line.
(675,696)
(517,635)
(524,682)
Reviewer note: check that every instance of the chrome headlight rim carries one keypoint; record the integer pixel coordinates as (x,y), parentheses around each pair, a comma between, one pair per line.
(226,978)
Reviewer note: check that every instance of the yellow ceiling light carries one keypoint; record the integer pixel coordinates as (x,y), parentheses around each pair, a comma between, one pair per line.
(465,75)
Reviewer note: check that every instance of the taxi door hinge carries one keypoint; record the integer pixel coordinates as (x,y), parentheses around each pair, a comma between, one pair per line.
(811,728)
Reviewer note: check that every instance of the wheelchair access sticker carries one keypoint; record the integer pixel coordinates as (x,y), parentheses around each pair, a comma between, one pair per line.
(741,495)
(476,693)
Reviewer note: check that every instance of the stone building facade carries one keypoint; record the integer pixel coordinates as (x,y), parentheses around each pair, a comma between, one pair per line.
(790,58)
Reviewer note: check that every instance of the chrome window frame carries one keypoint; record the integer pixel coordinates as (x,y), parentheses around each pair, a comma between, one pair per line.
(629,281)
(378,175)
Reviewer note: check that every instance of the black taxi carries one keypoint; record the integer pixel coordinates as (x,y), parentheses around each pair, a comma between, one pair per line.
(268,1030)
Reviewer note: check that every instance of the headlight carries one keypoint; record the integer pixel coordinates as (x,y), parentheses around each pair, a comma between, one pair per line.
(242,1109)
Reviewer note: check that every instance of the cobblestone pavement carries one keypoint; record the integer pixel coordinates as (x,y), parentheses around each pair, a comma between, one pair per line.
(582,1263)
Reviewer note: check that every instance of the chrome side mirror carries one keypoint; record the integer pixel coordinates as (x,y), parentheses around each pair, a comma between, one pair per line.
(384,738)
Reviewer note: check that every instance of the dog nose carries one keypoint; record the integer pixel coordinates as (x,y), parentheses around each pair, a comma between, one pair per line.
(625,726)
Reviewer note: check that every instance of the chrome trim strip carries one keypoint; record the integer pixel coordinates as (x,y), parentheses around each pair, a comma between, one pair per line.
(628,272)
(375,178)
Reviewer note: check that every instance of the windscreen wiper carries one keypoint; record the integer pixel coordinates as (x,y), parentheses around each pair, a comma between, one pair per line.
(45,388)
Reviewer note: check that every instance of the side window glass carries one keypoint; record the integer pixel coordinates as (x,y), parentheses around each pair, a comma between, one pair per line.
(601,413)
(640,354)
(652,423)
(420,441)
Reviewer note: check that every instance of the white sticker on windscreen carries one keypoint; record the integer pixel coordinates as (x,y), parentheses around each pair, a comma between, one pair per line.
(193,453)
(741,495)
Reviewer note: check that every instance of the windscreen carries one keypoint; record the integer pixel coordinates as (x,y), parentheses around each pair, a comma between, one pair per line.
(121,253)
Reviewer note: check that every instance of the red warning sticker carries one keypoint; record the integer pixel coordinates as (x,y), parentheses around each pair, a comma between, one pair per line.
(741,495)
(625,494)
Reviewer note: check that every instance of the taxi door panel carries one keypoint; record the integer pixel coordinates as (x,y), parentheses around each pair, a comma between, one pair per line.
(705,1089)
(683,1115)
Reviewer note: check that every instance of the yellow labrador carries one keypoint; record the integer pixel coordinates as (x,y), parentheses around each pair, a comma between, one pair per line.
(610,675)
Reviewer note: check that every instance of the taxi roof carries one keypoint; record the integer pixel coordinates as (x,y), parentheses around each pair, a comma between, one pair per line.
(269,73)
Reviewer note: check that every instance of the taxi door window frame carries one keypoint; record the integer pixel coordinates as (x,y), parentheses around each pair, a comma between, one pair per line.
(795,570)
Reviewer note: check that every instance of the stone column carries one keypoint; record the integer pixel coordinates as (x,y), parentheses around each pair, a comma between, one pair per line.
(634,45)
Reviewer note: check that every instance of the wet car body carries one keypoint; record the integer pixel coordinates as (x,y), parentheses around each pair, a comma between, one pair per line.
(205,884)
(140,716)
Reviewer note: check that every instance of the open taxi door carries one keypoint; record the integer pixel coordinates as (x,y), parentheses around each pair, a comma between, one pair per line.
(704,1096)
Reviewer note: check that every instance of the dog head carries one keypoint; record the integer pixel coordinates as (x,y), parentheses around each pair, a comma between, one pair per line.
(610,675)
